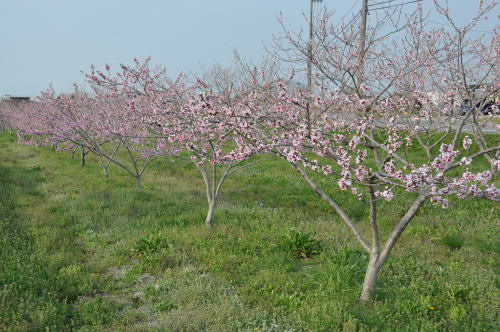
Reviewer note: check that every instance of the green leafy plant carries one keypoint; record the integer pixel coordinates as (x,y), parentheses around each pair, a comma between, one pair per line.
(301,245)
(452,241)
(146,246)
(164,306)
(97,311)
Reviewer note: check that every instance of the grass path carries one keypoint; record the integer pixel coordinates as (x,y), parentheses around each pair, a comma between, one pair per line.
(80,252)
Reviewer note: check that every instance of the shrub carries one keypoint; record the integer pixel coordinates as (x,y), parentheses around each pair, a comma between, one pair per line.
(146,246)
(301,245)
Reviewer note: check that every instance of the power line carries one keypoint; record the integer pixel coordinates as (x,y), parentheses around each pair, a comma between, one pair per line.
(405,3)
(354,5)
(451,26)
(399,4)
(380,3)
(351,21)
(354,17)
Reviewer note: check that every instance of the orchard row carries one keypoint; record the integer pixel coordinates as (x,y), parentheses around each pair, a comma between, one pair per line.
(365,124)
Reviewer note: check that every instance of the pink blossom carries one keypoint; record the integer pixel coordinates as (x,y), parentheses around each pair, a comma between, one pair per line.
(467,142)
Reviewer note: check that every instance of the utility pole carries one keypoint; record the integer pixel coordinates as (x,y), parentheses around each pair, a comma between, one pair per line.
(309,63)
(362,41)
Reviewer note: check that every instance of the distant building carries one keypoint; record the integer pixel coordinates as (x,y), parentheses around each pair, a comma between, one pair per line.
(18,100)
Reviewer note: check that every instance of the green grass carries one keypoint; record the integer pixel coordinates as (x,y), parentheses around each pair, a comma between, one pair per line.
(81,252)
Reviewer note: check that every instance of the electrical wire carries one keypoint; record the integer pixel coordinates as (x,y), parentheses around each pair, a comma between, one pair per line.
(380,3)
(450,26)
(355,3)
(399,4)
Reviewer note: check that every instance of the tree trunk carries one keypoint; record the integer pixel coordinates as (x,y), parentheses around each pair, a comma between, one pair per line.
(210,214)
(104,166)
(139,184)
(377,260)
(82,156)
(370,281)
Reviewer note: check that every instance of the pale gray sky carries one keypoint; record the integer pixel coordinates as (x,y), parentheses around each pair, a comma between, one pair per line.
(52,41)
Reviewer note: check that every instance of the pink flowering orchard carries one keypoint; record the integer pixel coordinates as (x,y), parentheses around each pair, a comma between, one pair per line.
(422,88)
(375,163)
(217,134)
(131,105)
(161,117)
(71,122)
(410,113)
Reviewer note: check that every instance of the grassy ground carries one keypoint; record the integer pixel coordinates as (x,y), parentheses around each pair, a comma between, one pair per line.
(81,252)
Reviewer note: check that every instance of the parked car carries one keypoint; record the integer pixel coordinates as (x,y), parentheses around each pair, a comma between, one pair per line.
(486,107)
